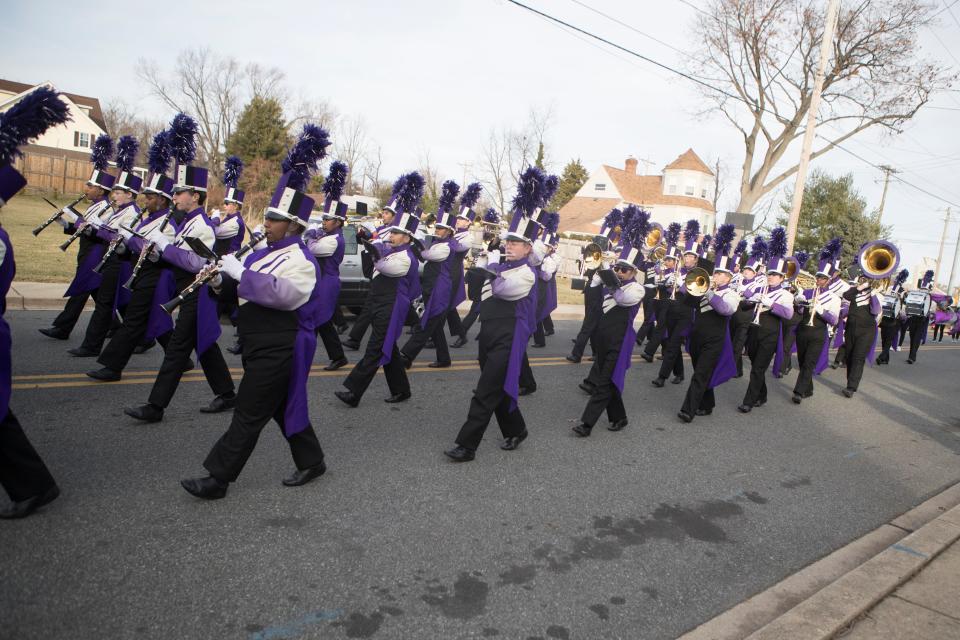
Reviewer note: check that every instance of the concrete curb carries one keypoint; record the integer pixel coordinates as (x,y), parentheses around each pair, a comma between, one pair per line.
(820,600)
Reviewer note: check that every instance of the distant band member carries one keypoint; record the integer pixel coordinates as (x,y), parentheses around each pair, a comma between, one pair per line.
(813,336)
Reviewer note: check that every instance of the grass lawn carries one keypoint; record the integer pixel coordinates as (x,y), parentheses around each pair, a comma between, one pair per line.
(39,258)
(566,295)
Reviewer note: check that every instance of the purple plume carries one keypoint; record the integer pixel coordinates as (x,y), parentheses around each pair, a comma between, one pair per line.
(550,185)
(724,238)
(692,230)
(672,234)
(778,243)
(529,191)
(101,152)
(758,250)
(741,247)
(35,113)
(802,257)
(491,216)
(832,250)
(707,241)
(159,154)
(448,195)
(612,220)
(302,159)
(232,169)
(336,180)
(636,229)
(398,186)
(901,279)
(127,147)
(552,223)
(412,192)
(928,277)
(183,138)
(471,194)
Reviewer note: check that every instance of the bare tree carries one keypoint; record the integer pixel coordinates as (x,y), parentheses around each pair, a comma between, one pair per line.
(719,169)
(349,145)
(372,163)
(304,109)
(761,56)
(539,122)
(121,119)
(265,82)
(495,170)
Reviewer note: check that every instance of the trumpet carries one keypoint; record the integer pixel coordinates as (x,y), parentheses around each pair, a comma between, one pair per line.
(147,248)
(207,274)
(81,225)
(760,307)
(60,211)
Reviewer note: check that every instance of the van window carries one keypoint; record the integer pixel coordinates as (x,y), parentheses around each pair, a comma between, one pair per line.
(350,240)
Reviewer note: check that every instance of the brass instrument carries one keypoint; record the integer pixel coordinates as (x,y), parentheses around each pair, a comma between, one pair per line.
(697,281)
(60,211)
(82,224)
(594,256)
(760,307)
(791,269)
(805,279)
(877,261)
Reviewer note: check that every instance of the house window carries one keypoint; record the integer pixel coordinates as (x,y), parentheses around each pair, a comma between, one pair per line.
(671,188)
(600,187)
(83,140)
(688,190)
(703,193)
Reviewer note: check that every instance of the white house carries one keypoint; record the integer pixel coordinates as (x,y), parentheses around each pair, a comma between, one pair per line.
(684,190)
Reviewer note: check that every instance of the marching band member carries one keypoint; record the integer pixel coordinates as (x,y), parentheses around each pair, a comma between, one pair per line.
(113,271)
(461,247)
(327,245)
(615,336)
(506,324)
(593,291)
(229,229)
(197,326)
(153,284)
(474,277)
(820,309)
(860,334)
(23,474)
(891,326)
(748,278)
(711,349)
(85,280)
(917,324)
(680,308)
(395,284)
(279,293)
(665,278)
(650,303)
(790,326)
(546,278)
(765,337)
(436,282)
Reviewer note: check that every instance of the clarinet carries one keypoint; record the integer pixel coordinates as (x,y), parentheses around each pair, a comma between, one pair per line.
(207,274)
(147,248)
(81,226)
(49,221)
(112,248)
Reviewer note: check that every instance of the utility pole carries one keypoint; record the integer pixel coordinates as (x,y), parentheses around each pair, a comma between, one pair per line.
(646,165)
(953,265)
(826,43)
(943,240)
(887,170)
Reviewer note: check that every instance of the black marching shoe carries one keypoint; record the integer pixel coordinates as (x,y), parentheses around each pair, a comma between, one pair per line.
(405,361)
(686,417)
(573,359)
(588,388)
(910,360)
(336,364)
(759,403)
(398,397)
(25,507)
(221,403)
(301,477)
(582,430)
(83,352)
(460,454)
(190,366)
(703,412)
(348,397)
(143,347)
(551,332)
(646,357)
(208,488)
(848,392)
(744,408)
(236,348)
(677,380)
(439,365)
(511,443)
(351,344)
(658,382)
(342,329)
(147,412)
(539,346)
(525,391)
(105,374)
(834,365)
(459,342)
(618,425)
(55,333)
(797,398)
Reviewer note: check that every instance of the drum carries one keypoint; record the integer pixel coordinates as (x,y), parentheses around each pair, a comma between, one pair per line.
(917,303)
(891,305)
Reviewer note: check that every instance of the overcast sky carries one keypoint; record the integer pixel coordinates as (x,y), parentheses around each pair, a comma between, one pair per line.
(437,75)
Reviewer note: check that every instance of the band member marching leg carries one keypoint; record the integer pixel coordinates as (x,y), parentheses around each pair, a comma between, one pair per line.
(616,338)
(461,247)
(711,349)
(790,326)
(395,284)
(742,318)
(547,279)
(765,338)
(474,276)
(820,309)
(665,279)
(918,313)
(892,317)
(229,229)
(23,474)
(278,289)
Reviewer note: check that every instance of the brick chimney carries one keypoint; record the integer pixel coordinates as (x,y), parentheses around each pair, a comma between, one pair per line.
(630,166)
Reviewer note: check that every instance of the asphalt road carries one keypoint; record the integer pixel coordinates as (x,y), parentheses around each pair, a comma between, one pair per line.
(639,534)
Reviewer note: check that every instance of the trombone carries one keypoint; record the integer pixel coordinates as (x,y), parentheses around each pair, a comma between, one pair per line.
(697,282)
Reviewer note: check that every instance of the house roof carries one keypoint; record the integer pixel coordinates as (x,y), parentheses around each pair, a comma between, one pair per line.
(581,213)
(95,114)
(690,160)
(643,190)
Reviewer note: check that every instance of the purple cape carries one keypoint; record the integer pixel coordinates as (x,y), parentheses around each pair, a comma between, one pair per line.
(330,282)
(8,268)
(626,351)
(550,303)
(86,278)
(407,289)
(522,330)
(440,295)
(726,366)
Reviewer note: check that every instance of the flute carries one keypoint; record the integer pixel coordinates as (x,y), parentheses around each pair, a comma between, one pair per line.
(46,223)
(207,274)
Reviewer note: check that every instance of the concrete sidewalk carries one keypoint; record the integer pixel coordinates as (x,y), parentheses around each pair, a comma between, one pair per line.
(900,581)
(47,296)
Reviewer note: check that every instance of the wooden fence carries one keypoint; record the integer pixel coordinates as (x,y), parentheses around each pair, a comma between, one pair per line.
(50,173)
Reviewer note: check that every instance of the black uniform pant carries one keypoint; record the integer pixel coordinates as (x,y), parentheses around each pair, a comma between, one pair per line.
(888,327)
(917,326)
(679,318)
(177,353)
(858,337)
(22,473)
(131,333)
(761,347)
(434,330)
(470,318)
(527,381)
(103,312)
(938,332)
(904,330)
(454,324)
(361,323)
(809,347)
(789,338)
(739,327)
(363,372)
(656,335)
(496,338)
(267,362)
(592,313)
(605,396)
(649,318)
(331,339)
(66,320)
(706,346)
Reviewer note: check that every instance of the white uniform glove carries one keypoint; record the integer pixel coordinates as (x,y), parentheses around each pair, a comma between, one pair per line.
(230,265)
(159,238)
(95,221)
(67,218)
(766,301)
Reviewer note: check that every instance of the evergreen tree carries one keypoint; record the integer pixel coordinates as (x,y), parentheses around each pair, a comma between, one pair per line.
(574,176)
(260,132)
(538,163)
